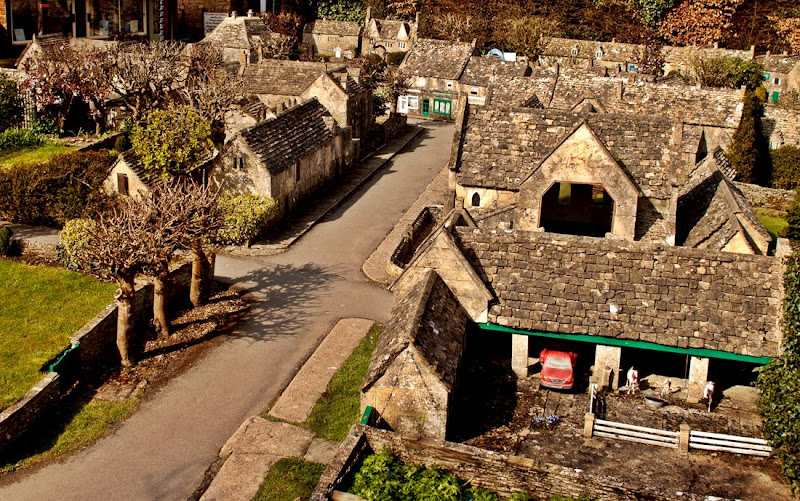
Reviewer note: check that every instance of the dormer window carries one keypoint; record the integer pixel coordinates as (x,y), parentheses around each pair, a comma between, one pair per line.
(449,85)
(777,81)
(574,51)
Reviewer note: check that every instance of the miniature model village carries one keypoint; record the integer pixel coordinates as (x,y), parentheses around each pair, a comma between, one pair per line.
(580,301)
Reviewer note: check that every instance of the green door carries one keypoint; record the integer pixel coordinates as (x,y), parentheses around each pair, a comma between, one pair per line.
(426,107)
(775,95)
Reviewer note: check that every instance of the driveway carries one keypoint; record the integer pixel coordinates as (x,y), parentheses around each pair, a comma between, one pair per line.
(164,449)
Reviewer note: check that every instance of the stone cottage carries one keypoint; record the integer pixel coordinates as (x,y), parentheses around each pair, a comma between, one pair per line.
(413,374)
(432,69)
(384,36)
(281,84)
(127,176)
(243,40)
(781,75)
(337,39)
(481,74)
(286,158)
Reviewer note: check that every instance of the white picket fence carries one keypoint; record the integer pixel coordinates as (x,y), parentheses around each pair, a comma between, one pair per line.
(728,443)
(633,433)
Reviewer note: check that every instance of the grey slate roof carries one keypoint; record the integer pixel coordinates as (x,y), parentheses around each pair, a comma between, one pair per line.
(437,58)
(253,106)
(427,318)
(503,146)
(674,296)
(285,78)
(331,27)
(281,141)
(612,51)
(239,33)
(388,29)
(479,70)
(779,63)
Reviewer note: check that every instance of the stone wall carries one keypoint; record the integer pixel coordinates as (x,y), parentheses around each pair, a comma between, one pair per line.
(766,198)
(97,347)
(783,123)
(491,470)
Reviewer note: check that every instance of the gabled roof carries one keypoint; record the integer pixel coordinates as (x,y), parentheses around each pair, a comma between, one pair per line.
(779,63)
(611,51)
(389,29)
(252,106)
(479,70)
(281,141)
(502,146)
(331,27)
(673,296)
(426,318)
(285,78)
(437,58)
(239,33)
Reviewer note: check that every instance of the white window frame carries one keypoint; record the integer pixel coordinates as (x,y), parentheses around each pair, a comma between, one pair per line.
(413,102)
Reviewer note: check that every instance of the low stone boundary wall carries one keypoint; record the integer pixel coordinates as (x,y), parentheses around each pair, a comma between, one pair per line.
(487,469)
(96,345)
(766,198)
(416,232)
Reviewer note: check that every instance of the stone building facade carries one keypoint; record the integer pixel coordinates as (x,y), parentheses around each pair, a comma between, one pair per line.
(781,75)
(286,158)
(781,126)
(413,373)
(242,40)
(282,84)
(432,69)
(384,36)
(337,39)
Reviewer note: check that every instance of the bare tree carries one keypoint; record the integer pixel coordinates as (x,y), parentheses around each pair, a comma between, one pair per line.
(182,213)
(145,75)
(120,246)
(527,34)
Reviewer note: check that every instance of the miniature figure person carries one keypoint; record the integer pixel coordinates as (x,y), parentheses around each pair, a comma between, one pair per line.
(666,388)
(633,381)
(708,393)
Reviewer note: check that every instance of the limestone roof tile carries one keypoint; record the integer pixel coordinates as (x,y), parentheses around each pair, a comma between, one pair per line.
(332,27)
(437,58)
(479,70)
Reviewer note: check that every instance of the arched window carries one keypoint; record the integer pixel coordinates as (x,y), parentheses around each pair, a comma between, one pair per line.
(476,200)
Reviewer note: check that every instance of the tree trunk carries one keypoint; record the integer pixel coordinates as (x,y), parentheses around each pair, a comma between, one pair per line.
(160,319)
(126,305)
(198,291)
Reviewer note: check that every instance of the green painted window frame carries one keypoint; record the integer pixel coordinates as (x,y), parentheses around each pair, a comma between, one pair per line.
(439,103)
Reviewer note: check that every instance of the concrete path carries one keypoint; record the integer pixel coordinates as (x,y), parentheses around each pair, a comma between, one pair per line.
(163,451)
(309,384)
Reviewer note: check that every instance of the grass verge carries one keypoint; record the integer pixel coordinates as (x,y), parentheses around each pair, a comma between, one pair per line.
(40,308)
(774,225)
(77,425)
(35,155)
(289,479)
(338,408)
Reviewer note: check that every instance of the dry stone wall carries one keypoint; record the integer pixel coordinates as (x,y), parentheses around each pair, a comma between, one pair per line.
(766,198)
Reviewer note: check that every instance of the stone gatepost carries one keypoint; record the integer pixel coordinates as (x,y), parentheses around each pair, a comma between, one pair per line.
(606,366)
(519,355)
(588,424)
(683,438)
(698,377)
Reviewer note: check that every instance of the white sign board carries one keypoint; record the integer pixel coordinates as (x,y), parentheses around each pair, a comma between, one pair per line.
(211,20)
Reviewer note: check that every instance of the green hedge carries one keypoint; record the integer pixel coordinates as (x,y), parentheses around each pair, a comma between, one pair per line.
(395,58)
(5,240)
(246,217)
(73,240)
(17,139)
(10,104)
(785,167)
(65,187)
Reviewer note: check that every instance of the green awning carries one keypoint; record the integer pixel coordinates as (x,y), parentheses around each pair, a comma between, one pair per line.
(627,343)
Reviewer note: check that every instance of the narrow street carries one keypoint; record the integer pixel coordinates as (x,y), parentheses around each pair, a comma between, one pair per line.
(164,449)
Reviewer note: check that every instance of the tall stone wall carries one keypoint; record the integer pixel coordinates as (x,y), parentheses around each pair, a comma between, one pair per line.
(491,470)
(766,198)
(784,121)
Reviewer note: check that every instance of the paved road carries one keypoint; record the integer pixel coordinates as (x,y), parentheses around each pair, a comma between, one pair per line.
(163,450)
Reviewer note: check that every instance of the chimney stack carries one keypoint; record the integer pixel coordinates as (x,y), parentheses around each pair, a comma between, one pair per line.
(716,45)
(233,14)
(249,12)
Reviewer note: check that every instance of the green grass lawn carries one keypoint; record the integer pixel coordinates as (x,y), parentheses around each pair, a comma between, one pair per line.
(38,154)
(773,222)
(76,425)
(338,408)
(289,479)
(40,308)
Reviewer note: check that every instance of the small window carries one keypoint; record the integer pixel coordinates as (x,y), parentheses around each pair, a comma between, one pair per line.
(766,76)
(476,200)
(341,38)
(421,81)
(599,54)
(474,91)
(402,45)
(331,39)
(238,163)
(777,81)
(449,85)
(297,172)
(122,184)
(574,51)
(413,102)
(389,45)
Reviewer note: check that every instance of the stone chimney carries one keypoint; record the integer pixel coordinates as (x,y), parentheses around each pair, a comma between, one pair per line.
(716,45)
(233,14)
(368,16)
(249,12)
(752,51)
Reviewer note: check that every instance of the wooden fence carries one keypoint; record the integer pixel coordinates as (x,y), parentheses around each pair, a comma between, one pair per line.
(729,443)
(633,433)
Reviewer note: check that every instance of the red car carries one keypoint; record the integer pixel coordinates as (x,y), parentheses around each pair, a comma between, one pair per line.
(558,369)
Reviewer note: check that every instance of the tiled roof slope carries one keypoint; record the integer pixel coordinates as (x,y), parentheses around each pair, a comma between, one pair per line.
(502,146)
(479,70)
(428,318)
(437,58)
(281,141)
(331,27)
(239,33)
(388,28)
(672,296)
(674,55)
(286,78)
(779,63)
(612,51)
